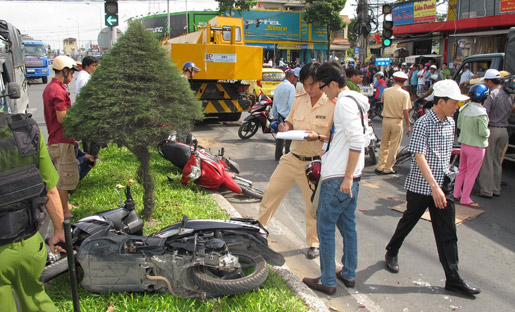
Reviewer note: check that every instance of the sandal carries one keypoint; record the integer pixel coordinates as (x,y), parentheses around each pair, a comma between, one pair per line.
(471,205)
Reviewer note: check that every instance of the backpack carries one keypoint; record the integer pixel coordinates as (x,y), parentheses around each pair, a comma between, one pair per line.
(22,189)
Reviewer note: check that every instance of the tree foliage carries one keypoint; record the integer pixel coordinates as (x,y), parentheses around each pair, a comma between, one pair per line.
(230,5)
(325,12)
(134,98)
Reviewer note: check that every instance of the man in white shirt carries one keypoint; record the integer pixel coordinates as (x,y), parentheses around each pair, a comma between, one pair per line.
(340,174)
(466,75)
(89,64)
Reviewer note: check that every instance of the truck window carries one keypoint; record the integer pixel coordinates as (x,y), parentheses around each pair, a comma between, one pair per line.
(227,34)
(35,50)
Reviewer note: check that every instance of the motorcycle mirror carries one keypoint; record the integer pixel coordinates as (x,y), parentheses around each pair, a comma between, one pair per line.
(129,202)
(195,145)
(119,195)
(221,152)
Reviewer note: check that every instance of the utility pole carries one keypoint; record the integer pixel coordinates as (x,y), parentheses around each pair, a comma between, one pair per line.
(364,34)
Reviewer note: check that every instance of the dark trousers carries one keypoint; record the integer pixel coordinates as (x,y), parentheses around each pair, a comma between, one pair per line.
(279,146)
(444,229)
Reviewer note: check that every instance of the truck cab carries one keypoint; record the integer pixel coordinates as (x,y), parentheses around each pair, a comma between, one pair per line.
(36,60)
(12,69)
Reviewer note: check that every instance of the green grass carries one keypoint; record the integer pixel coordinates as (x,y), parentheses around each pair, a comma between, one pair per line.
(117,167)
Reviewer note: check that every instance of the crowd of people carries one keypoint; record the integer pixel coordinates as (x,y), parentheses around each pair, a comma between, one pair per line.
(429,185)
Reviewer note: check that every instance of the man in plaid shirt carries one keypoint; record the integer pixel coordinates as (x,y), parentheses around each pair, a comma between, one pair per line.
(427,185)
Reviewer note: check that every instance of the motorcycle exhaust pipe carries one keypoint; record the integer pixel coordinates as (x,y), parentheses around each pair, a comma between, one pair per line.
(71,264)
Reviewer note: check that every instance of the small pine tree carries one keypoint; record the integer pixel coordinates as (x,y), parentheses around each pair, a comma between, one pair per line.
(134,98)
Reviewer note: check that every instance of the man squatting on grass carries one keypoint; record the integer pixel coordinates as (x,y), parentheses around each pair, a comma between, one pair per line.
(341,171)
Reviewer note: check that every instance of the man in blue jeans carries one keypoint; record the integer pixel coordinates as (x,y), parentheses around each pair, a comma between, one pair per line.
(341,170)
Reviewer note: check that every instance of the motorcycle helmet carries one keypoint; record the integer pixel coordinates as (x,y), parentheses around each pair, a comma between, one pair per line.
(313,170)
(478,93)
(62,61)
(190,66)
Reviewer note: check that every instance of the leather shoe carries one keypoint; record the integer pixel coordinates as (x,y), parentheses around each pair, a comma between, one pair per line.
(392,263)
(462,287)
(313,283)
(346,282)
(313,253)
(378,171)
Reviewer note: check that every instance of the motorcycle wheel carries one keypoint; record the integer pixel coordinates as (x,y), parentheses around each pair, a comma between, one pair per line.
(248,129)
(252,192)
(251,275)
(55,269)
(403,156)
(413,116)
(372,153)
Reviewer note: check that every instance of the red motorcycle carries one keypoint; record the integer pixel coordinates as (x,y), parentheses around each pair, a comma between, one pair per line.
(205,169)
(259,117)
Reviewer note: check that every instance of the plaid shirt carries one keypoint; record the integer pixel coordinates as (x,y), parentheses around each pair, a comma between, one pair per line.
(433,138)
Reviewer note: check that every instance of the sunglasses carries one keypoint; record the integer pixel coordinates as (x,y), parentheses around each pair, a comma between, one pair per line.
(324,85)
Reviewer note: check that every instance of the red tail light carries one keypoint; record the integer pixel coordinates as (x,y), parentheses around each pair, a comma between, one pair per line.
(259,83)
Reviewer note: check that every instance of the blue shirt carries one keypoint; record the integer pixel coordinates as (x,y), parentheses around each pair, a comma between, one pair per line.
(414,78)
(284,95)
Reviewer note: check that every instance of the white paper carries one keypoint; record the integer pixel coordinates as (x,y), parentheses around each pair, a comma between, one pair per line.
(297,135)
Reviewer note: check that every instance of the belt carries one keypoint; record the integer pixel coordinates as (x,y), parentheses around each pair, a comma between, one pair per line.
(497,126)
(306,158)
(392,117)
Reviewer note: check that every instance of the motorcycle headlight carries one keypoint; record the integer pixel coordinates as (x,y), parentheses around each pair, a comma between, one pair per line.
(195,173)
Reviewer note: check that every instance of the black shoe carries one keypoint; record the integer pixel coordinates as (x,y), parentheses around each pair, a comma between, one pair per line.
(392,263)
(313,253)
(313,283)
(378,171)
(462,287)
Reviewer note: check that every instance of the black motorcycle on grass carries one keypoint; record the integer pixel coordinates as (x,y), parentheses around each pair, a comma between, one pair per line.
(191,258)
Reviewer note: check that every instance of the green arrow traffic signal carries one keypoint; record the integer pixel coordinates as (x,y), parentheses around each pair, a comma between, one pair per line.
(111,20)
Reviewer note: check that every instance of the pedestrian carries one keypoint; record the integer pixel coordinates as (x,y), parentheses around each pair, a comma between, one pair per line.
(445,73)
(396,107)
(56,100)
(467,75)
(311,111)
(421,80)
(89,64)
(473,123)
(428,185)
(340,175)
(26,172)
(284,95)
(433,75)
(414,81)
(498,106)
(427,76)
(354,78)
(299,87)
(370,73)
(380,85)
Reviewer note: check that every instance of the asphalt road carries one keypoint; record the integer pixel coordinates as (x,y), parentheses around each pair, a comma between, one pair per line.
(486,243)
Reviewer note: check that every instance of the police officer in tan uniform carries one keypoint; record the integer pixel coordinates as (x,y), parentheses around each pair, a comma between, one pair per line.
(397,105)
(311,111)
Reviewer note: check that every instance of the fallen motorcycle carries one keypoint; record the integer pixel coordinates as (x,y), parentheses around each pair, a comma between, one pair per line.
(373,143)
(205,169)
(192,258)
(259,117)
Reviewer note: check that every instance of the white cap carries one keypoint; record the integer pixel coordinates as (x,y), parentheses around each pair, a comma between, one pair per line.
(448,88)
(491,74)
(404,64)
(380,74)
(400,75)
(433,66)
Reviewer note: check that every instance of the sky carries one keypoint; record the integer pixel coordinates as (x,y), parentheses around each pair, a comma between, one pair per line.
(52,21)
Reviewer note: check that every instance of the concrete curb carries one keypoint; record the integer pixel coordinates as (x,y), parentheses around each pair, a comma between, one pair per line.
(297,286)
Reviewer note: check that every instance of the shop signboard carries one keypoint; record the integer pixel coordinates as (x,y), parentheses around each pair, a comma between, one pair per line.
(382,61)
(414,12)
(507,6)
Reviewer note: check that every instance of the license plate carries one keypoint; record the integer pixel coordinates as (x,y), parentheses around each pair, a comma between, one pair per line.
(31,71)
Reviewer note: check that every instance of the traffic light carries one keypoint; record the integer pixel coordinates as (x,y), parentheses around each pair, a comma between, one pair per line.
(387,25)
(111,13)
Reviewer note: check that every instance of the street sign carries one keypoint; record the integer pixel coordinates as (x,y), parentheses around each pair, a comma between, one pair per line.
(382,61)
(111,13)
(356,50)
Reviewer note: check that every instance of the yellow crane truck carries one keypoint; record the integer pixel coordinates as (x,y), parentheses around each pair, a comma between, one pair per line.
(225,62)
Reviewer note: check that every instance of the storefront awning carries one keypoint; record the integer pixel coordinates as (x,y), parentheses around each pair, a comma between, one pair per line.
(482,33)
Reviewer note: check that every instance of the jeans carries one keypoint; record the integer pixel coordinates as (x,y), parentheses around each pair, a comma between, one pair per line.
(336,208)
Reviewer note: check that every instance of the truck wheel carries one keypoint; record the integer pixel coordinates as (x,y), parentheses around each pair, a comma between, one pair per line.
(45,79)
(248,129)
(251,275)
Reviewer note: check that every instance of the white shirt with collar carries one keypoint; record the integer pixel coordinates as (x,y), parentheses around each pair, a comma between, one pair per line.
(81,80)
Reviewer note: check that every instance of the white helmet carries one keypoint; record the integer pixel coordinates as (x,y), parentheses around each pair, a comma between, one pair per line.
(62,61)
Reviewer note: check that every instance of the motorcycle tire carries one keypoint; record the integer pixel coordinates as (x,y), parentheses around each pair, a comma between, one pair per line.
(248,129)
(252,275)
(372,154)
(403,156)
(251,191)
(55,269)
(413,116)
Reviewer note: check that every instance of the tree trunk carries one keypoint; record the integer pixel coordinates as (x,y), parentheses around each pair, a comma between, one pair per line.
(145,177)
(328,42)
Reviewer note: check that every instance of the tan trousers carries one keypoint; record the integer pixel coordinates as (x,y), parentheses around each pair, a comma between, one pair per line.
(490,174)
(290,170)
(390,141)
